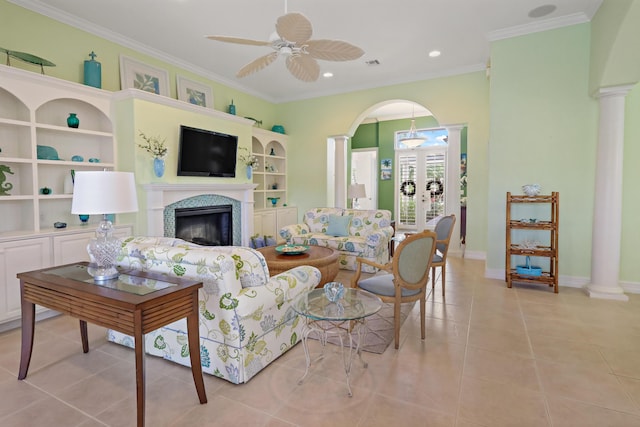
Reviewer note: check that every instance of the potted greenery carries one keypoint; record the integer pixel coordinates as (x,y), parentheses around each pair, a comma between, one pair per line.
(248,159)
(157,148)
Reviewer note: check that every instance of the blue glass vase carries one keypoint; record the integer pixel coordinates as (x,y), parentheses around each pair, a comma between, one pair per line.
(158,167)
(249,172)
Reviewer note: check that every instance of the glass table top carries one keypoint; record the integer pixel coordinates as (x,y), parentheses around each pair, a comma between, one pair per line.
(354,304)
(125,282)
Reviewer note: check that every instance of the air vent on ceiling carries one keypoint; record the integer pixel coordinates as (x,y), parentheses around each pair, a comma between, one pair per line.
(373,62)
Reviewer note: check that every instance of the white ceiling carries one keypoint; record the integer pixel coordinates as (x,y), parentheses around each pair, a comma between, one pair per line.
(397,33)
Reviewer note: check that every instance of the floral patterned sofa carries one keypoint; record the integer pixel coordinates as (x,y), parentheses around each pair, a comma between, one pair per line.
(246,317)
(352,232)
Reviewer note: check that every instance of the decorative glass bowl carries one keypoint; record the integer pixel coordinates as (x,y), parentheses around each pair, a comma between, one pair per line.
(334,291)
(531,189)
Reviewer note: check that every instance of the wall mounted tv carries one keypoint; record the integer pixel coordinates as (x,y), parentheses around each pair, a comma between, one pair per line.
(206,153)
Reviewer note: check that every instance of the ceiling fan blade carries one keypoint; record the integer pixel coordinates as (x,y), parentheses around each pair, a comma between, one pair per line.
(239,40)
(257,64)
(294,27)
(333,50)
(304,68)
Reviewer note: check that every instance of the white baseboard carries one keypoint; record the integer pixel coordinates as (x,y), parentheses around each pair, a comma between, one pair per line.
(567,281)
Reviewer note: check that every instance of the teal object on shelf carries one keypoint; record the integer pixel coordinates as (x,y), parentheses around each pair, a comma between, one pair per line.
(278,129)
(73,121)
(232,108)
(93,72)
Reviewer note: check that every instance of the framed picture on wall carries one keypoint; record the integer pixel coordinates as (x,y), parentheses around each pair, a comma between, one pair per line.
(138,75)
(385,169)
(194,93)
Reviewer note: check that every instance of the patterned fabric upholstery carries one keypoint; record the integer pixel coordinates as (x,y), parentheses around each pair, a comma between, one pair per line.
(369,235)
(246,318)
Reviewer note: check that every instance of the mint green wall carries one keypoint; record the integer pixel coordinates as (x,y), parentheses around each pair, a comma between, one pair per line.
(629,254)
(68,47)
(615,32)
(543,130)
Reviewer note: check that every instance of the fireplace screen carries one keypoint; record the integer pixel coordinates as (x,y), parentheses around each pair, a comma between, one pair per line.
(207,225)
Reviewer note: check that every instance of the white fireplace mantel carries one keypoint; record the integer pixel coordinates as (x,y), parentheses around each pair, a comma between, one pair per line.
(161,195)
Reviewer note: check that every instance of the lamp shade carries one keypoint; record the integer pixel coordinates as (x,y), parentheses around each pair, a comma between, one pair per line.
(104,192)
(356,191)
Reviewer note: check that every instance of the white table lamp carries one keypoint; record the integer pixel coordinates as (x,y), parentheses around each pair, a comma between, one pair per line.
(355,192)
(104,193)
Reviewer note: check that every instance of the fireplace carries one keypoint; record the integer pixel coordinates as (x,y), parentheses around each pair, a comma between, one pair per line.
(207,225)
(163,199)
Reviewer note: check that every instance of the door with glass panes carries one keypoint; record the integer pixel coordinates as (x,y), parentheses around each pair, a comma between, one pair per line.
(420,195)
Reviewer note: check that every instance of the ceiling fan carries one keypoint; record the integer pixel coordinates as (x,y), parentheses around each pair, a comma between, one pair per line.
(292,40)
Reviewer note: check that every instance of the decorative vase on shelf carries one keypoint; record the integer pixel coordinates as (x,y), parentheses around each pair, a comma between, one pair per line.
(73,121)
(158,166)
(84,218)
(249,171)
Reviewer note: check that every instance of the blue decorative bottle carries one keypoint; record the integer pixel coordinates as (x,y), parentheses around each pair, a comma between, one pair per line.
(92,72)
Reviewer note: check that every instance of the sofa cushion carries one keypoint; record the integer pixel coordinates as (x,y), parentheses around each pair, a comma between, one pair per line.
(317,219)
(338,225)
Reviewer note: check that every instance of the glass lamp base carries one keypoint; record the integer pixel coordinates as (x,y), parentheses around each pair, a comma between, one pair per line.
(103,251)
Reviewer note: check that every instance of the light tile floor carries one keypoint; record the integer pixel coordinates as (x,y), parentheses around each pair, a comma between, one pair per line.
(492,357)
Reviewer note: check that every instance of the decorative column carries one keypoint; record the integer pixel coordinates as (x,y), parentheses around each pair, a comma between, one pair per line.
(452,187)
(340,171)
(607,210)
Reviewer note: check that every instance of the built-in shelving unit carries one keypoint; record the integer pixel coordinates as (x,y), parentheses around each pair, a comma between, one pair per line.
(38,147)
(36,151)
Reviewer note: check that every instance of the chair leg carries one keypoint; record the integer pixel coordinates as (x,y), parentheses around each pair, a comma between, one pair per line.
(444,273)
(423,309)
(396,322)
(433,278)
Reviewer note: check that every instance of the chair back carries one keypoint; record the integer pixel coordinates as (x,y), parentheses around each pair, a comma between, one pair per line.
(444,229)
(412,260)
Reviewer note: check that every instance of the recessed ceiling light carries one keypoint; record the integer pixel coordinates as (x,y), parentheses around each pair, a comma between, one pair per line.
(434,53)
(541,11)
(327,74)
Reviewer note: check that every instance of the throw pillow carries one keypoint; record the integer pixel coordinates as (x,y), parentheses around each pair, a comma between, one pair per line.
(338,225)
(257,241)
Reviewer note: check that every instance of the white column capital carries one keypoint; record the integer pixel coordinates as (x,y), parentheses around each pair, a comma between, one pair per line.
(614,91)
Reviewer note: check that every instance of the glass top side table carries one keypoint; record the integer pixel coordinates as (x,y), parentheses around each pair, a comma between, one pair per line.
(343,317)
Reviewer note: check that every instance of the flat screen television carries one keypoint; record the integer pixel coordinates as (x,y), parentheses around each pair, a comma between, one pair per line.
(207,153)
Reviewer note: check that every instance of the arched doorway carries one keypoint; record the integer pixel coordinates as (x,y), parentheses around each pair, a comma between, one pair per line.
(395,110)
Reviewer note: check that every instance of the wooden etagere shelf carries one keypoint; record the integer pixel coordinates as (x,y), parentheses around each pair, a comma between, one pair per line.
(521,249)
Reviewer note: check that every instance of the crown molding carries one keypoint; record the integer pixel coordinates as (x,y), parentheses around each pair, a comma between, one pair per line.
(96,30)
(538,26)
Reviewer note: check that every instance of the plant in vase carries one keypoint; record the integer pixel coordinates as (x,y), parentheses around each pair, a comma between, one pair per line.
(273,200)
(157,148)
(249,160)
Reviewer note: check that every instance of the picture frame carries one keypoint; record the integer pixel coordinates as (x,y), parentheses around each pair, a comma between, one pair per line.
(138,75)
(194,92)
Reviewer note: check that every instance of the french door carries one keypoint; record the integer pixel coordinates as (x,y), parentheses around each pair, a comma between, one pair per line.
(420,192)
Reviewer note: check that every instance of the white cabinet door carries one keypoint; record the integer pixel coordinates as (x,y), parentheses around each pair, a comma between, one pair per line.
(17,257)
(287,216)
(265,223)
(69,248)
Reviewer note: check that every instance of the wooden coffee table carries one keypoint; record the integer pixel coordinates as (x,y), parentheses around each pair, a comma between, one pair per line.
(135,304)
(324,259)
